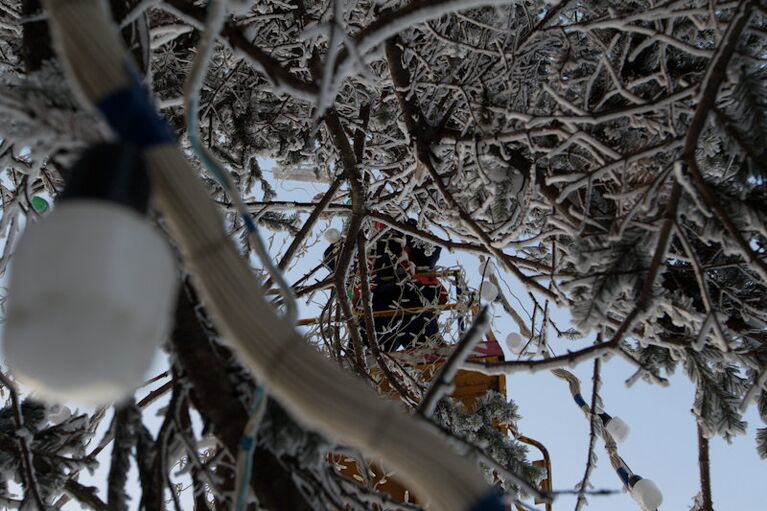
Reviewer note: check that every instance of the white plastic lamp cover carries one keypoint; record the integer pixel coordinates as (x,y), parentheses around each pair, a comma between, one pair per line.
(515,343)
(332,235)
(91,297)
(618,429)
(647,494)
(488,292)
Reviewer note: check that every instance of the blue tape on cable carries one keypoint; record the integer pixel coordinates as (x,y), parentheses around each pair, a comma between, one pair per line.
(624,475)
(132,115)
(247,443)
(492,502)
(579,399)
(249,224)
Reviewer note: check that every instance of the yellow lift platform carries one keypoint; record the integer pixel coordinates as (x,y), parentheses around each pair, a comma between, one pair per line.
(469,386)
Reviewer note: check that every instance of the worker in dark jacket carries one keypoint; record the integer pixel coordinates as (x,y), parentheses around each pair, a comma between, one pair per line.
(401,269)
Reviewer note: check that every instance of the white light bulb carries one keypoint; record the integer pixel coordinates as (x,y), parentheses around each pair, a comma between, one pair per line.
(647,494)
(91,297)
(515,343)
(489,292)
(618,429)
(332,235)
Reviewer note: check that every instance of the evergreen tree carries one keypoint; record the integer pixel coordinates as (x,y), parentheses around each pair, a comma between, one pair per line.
(608,155)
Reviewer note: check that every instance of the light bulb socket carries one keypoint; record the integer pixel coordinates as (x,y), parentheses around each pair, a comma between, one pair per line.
(113,172)
(606,417)
(633,479)
(625,476)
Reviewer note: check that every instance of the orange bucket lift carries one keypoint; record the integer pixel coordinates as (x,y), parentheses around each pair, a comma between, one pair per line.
(469,386)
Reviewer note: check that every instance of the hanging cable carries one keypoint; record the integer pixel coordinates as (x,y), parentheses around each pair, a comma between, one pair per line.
(214,22)
(247,446)
(216,17)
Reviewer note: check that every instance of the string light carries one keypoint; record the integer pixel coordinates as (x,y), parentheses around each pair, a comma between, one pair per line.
(646,493)
(488,291)
(617,428)
(515,343)
(332,235)
(92,288)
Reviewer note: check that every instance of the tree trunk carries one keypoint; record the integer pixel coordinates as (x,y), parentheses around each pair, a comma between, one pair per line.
(215,398)
(705,472)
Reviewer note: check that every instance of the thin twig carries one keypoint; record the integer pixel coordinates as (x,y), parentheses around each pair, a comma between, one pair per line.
(592,437)
(351,175)
(534,366)
(125,440)
(307,227)
(28,474)
(367,315)
(705,295)
(85,495)
(443,383)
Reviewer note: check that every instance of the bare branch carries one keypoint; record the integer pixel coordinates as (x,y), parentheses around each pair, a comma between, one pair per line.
(442,383)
